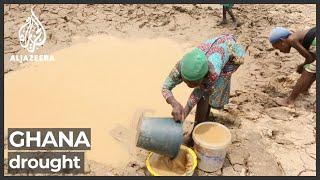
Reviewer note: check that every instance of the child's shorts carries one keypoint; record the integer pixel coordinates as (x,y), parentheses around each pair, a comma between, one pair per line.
(228,6)
(311,68)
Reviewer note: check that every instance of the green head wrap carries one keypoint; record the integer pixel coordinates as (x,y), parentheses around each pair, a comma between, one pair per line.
(314,42)
(194,65)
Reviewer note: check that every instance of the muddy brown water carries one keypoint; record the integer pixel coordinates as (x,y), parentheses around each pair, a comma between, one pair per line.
(212,134)
(98,84)
(165,166)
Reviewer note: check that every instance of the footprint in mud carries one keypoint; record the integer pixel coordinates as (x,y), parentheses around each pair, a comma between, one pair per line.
(225,118)
(306,102)
(281,113)
(273,91)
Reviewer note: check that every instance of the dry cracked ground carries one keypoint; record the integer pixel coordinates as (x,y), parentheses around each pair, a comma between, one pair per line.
(267,139)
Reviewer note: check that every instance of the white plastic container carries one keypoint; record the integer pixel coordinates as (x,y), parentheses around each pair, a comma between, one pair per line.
(211,156)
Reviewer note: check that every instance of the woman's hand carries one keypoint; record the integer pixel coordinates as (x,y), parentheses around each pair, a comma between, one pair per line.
(177,111)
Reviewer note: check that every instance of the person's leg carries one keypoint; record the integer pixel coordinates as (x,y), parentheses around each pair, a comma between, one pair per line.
(306,91)
(235,22)
(304,82)
(224,16)
(202,110)
(229,10)
(202,115)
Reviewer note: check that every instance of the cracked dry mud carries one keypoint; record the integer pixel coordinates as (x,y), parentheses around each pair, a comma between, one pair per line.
(267,140)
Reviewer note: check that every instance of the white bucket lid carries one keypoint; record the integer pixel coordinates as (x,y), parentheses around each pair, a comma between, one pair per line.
(205,144)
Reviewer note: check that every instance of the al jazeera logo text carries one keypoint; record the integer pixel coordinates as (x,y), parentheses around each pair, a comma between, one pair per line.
(47,150)
(32,36)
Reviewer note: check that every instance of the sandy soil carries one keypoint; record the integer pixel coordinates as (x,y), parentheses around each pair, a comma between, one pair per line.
(267,140)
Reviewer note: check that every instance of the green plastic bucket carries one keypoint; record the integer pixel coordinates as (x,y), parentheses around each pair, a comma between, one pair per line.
(160,135)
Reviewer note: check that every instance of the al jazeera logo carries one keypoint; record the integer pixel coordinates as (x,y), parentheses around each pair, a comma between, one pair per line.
(32,36)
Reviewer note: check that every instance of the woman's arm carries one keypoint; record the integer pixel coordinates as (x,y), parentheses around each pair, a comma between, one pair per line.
(173,79)
(194,98)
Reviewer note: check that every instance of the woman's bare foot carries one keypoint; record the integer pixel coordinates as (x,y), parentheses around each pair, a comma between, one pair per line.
(285,102)
(237,24)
